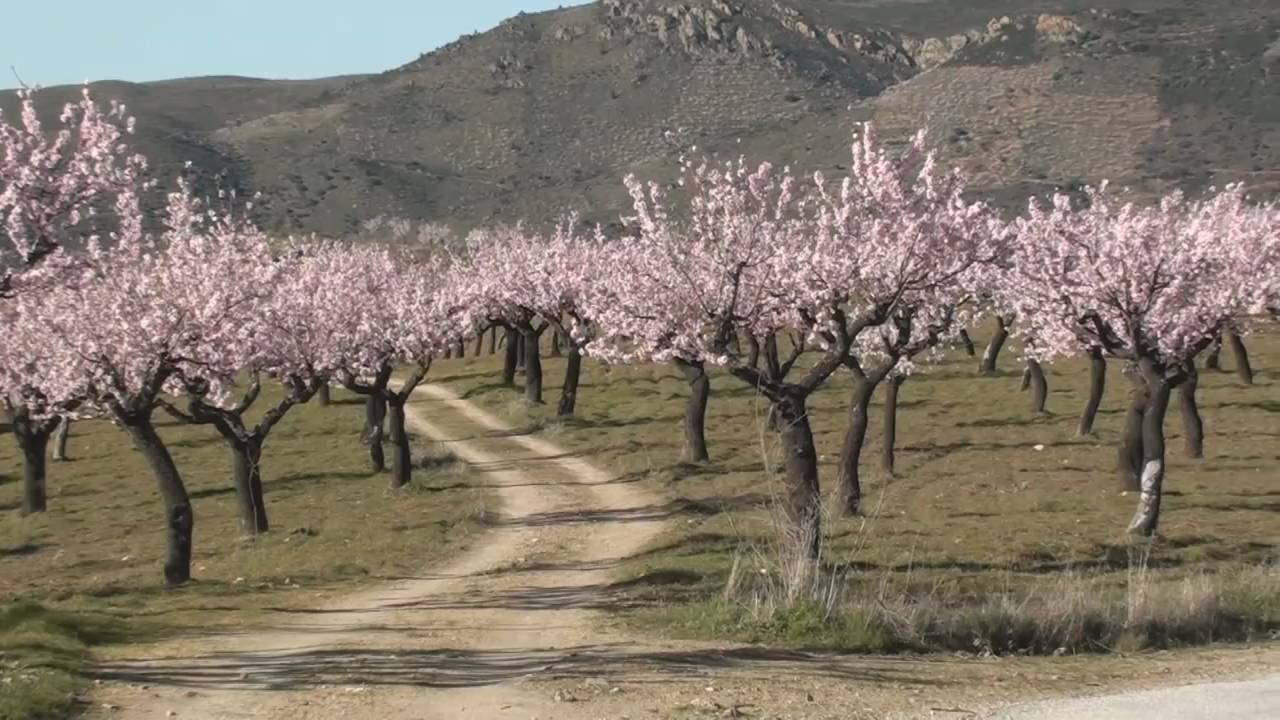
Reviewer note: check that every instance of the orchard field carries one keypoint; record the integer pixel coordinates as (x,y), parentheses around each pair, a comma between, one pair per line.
(763,394)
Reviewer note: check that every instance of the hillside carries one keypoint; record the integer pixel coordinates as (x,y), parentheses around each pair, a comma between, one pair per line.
(547,111)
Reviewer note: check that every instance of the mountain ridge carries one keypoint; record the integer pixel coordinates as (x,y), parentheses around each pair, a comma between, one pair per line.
(547,111)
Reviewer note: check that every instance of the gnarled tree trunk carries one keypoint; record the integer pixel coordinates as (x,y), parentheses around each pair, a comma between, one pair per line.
(1238,351)
(967,343)
(695,411)
(1039,386)
(322,396)
(532,368)
(890,437)
(246,474)
(180,519)
(1097,386)
(1193,426)
(992,354)
(572,376)
(753,349)
(33,440)
(375,412)
(1146,519)
(60,437)
(401,463)
(803,502)
(512,358)
(1130,452)
(1213,356)
(849,483)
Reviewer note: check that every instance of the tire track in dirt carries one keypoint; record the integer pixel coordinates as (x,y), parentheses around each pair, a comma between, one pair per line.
(454,642)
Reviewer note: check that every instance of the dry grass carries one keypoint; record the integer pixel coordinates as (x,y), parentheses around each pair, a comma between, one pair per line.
(95,556)
(980,527)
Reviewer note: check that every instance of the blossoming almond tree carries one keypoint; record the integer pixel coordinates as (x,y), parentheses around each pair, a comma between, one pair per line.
(897,235)
(51,184)
(414,318)
(292,341)
(139,318)
(740,255)
(1149,285)
(50,187)
(531,283)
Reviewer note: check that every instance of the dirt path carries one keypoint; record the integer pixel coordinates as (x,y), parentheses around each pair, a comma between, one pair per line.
(453,642)
(512,629)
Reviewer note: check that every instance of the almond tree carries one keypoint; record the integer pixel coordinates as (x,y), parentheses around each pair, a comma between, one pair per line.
(899,235)
(531,283)
(746,256)
(1148,285)
(136,322)
(292,341)
(51,186)
(417,319)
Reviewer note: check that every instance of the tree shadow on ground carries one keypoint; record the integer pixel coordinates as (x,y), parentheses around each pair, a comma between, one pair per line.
(453,668)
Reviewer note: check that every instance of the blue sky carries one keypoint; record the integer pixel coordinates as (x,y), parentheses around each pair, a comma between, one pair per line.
(68,41)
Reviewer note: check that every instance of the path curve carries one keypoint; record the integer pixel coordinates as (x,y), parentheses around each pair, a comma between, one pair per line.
(451,643)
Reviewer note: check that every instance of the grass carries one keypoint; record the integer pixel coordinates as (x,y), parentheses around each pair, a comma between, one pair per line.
(93,561)
(996,517)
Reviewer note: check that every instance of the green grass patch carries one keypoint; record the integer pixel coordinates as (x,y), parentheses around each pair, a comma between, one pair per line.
(93,562)
(993,510)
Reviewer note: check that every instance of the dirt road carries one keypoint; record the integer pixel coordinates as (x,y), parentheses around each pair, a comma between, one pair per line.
(1249,700)
(512,628)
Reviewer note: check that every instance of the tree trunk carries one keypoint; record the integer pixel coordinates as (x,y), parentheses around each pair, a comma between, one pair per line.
(493,340)
(479,344)
(521,351)
(448,353)
(1213,356)
(890,437)
(1129,460)
(849,484)
(1097,386)
(60,439)
(1147,518)
(1243,369)
(512,358)
(992,354)
(555,344)
(572,375)
(375,412)
(753,347)
(179,517)
(532,369)
(33,439)
(695,411)
(401,462)
(322,396)
(803,503)
(967,342)
(1193,426)
(1039,387)
(461,351)
(246,459)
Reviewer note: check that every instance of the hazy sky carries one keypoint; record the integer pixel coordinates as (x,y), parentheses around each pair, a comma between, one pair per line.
(68,41)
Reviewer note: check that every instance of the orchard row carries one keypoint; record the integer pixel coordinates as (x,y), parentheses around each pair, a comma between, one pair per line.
(780,279)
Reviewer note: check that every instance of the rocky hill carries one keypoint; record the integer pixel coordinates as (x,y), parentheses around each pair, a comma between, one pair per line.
(547,111)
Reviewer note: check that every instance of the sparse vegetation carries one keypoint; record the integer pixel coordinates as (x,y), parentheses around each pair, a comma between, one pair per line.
(997,520)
